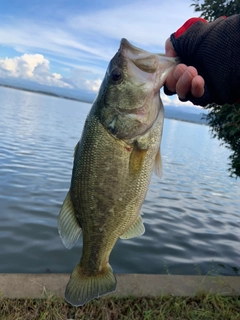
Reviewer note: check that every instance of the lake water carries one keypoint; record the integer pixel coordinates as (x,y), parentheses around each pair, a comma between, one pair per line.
(191,215)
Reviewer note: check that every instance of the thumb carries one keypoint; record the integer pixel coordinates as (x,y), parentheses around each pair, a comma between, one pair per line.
(170,52)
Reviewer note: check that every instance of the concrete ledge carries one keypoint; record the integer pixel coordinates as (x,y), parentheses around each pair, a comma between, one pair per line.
(42,285)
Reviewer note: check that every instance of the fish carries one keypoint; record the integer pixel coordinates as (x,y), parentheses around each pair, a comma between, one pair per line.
(113,162)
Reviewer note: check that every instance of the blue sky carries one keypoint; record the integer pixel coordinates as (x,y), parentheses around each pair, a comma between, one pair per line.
(67,44)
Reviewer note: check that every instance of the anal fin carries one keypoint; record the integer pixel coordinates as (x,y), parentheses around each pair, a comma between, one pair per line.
(136,229)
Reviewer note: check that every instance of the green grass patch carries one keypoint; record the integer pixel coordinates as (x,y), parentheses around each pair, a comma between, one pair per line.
(203,306)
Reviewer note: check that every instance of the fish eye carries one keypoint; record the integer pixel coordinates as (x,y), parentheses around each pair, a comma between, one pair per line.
(116,75)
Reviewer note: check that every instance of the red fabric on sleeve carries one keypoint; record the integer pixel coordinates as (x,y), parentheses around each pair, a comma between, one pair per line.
(187,25)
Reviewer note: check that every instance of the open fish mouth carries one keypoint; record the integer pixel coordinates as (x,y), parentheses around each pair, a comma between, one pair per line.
(155,66)
(144,60)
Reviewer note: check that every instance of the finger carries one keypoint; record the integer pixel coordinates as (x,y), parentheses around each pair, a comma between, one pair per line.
(174,76)
(170,52)
(184,84)
(197,88)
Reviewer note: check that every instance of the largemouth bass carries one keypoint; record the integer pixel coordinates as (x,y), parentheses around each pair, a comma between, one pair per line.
(113,163)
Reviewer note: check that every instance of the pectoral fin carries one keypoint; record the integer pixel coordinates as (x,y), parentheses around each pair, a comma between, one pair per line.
(136,229)
(136,159)
(158,165)
(68,227)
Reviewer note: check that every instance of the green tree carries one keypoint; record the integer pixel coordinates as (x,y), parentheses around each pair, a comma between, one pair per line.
(212,9)
(224,121)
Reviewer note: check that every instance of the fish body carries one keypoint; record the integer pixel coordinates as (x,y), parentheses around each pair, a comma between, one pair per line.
(113,163)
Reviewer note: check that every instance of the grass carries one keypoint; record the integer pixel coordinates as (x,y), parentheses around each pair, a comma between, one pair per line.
(204,306)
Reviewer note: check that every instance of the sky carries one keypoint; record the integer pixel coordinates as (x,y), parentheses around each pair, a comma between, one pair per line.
(67,44)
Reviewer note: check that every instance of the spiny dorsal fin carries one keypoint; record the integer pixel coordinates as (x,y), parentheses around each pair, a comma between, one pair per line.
(68,227)
(136,229)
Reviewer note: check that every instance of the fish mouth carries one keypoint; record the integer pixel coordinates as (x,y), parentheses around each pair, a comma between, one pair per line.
(142,59)
(154,66)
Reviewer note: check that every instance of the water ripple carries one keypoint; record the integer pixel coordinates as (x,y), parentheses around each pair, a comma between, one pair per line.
(191,215)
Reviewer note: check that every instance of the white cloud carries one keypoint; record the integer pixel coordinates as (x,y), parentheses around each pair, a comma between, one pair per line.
(93,35)
(32,67)
(36,68)
(94,85)
(175,102)
(57,76)
(72,49)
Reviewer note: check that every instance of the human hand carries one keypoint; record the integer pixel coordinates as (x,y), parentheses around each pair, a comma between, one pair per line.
(183,79)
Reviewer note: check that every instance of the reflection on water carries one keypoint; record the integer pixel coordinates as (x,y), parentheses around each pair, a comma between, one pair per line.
(191,215)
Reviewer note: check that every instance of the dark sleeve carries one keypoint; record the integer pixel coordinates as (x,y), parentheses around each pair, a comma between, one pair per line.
(214,50)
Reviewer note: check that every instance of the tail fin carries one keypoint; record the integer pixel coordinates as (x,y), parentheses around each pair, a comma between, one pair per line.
(82,288)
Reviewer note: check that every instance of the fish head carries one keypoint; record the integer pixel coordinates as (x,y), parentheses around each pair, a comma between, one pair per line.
(128,102)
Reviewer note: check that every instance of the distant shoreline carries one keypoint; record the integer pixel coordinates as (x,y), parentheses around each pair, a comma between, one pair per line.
(185,120)
(44,92)
(85,101)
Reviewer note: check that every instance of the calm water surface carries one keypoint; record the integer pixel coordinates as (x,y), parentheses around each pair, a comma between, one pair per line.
(191,215)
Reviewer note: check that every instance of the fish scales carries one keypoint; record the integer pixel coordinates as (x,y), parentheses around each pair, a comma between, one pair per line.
(105,186)
(113,163)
